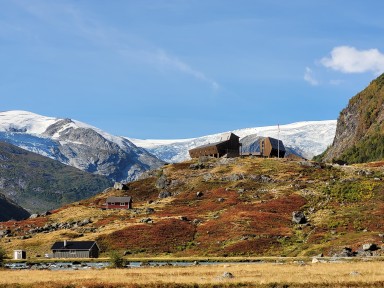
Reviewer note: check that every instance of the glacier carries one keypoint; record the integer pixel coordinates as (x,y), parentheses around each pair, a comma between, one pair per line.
(307,139)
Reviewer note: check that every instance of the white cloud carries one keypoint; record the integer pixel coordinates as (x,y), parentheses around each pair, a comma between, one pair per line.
(308,76)
(348,59)
(168,61)
(124,43)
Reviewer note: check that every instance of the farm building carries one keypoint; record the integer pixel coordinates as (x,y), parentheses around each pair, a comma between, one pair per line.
(228,146)
(75,249)
(119,202)
(19,254)
(271,147)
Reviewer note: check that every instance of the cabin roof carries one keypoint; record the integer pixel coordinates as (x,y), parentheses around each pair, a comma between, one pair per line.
(74,245)
(119,199)
(223,138)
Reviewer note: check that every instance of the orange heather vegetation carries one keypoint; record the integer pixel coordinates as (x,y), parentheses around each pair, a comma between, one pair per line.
(224,208)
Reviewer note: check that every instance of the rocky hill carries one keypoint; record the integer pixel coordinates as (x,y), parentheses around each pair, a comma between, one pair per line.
(10,210)
(360,131)
(39,183)
(225,207)
(76,144)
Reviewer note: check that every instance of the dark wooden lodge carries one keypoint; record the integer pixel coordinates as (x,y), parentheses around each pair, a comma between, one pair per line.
(75,249)
(271,147)
(228,146)
(119,202)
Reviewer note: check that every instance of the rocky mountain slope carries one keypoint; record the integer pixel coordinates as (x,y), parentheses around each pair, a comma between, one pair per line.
(225,207)
(39,183)
(10,210)
(77,144)
(360,128)
(306,139)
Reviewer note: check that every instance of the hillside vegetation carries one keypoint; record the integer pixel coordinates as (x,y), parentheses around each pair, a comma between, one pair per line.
(224,207)
(360,132)
(39,183)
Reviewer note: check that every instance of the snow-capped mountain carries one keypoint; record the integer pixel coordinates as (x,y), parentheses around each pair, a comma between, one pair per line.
(77,144)
(307,139)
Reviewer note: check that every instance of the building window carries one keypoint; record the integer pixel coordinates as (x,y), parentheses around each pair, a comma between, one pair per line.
(122,204)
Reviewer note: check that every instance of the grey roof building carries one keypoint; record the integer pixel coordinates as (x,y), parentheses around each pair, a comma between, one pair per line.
(75,249)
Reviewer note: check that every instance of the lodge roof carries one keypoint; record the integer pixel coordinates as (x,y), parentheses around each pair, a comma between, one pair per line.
(74,245)
(224,138)
(119,199)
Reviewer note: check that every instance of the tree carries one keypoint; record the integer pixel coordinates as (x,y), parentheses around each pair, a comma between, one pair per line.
(2,255)
(116,260)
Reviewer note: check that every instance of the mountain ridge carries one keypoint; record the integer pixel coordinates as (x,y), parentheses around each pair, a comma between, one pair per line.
(77,144)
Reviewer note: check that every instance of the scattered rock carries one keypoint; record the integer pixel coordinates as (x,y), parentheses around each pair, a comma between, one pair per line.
(196,221)
(298,217)
(149,210)
(46,213)
(346,252)
(165,194)
(370,247)
(199,194)
(227,275)
(183,218)
(34,216)
(207,177)
(120,186)
(315,260)
(146,220)
(5,232)
(220,200)
(354,273)
(162,182)
(241,190)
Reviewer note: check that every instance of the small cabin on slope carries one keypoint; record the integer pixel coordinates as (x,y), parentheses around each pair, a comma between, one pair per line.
(228,146)
(75,249)
(271,147)
(124,202)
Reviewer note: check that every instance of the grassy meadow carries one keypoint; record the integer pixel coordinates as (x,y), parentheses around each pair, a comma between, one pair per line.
(346,274)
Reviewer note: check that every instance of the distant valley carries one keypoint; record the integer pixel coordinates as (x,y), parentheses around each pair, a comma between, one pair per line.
(38,183)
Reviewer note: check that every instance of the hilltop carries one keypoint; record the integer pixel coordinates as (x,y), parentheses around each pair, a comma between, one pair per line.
(224,207)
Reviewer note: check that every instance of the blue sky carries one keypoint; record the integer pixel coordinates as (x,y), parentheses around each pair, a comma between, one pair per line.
(187,68)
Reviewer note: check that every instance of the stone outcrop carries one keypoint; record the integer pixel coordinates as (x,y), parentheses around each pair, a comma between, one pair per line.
(361,119)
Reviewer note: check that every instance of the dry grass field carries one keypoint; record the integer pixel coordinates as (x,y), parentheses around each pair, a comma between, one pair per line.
(353,274)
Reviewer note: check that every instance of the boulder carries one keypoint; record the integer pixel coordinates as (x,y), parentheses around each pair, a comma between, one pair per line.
(162,182)
(227,275)
(199,194)
(146,220)
(298,217)
(149,210)
(183,218)
(34,216)
(164,194)
(120,186)
(46,213)
(369,247)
